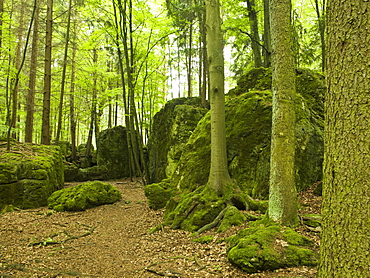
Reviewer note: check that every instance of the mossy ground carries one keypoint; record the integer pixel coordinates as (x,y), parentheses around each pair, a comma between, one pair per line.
(83,196)
(269,246)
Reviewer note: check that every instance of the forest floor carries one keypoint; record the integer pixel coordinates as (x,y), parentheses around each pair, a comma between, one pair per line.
(112,241)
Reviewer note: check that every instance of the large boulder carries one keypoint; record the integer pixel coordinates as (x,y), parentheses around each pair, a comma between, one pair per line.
(29,174)
(269,247)
(172,127)
(248,132)
(112,153)
(83,196)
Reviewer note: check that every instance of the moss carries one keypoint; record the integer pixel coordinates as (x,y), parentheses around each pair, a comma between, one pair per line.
(29,174)
(83,196)
(92,173)
(266,247)
(172,126)
(312,220)
(112,152)
(232,217)
(204,239)
(157,195)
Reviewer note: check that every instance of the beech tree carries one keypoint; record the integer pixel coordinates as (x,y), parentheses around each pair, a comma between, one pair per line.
(345,245)
(283,195)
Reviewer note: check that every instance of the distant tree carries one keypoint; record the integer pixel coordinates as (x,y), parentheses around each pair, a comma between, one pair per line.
(283,195)
(345,245)
(45,136)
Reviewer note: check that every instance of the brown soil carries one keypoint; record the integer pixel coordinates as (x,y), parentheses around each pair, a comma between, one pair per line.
(113,241)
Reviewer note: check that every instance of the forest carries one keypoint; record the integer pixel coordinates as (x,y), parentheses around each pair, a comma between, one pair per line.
(184,138)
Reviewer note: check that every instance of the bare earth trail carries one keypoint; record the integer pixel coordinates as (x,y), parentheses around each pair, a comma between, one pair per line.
(111,241)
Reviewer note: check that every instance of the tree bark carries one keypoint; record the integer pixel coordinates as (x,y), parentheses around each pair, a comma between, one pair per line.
(345,245)
(266,34)
(45,136)
(283,195)
(71,96)
(219,173)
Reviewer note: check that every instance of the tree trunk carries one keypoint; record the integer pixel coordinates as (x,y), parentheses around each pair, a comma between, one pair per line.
(253,21)
(283,195)
(266,34)
(345,244)
(64,70)
(320,12)
(219,173)
(30,104)
(189,63)
(45,136)
(72,98)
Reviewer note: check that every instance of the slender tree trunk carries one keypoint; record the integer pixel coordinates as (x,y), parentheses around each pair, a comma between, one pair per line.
(189,64)
(30,104)
(320,12)
(345,245)
(64,70)
(71,96)
(283,195)
(219,173)
(45,137)
(252,14)
(1,24)
(266,34)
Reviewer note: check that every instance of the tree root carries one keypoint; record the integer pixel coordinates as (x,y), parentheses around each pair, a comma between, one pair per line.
(214,223)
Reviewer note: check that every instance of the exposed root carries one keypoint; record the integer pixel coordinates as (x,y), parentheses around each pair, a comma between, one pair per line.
(214,223)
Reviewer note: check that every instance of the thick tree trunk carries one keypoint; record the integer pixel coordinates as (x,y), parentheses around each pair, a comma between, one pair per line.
(45,136)
(219,173)
(283,195)
(345,245)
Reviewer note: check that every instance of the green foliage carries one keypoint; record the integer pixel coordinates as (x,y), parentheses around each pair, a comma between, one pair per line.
(83,196)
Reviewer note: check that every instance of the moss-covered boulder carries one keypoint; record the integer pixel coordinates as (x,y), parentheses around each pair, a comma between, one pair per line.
(269,247)
(248,132)
(158,194)
(84,196)
(172,127)
(29,174)
(112,152)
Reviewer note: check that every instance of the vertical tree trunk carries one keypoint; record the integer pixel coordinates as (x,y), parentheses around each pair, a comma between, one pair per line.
(320,12)
(64,70)
(45,136)
(71,96)
(1,23)
(219,173)
(189,64)
(252,14)
(30,104)
(345,244)
(283,195)
(266,34)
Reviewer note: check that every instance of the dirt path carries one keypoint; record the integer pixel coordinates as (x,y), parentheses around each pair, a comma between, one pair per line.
(111,241)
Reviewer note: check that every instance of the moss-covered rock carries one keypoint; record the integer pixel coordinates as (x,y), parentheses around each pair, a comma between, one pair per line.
(112,152)
(158,194)
(204,239)
(248,132)
(232,217)
(172,126)
(269,247)
(29,173)
(92,173)
(84,196)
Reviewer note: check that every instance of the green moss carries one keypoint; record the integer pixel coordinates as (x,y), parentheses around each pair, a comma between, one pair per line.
(204,239)
(29,173)
(157,195)
(266,247)
(232,217)
(312,220)
(83,196)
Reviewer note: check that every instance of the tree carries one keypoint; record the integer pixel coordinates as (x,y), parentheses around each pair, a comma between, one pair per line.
(219,173)
(45,137)
(345,242)
(283,196)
